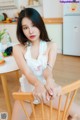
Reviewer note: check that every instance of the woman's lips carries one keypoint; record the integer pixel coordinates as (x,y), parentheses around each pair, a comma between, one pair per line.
(32,36)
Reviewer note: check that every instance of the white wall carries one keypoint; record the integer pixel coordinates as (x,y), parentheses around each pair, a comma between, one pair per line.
(12,12)
(52,8)
(55,34)
(48,8)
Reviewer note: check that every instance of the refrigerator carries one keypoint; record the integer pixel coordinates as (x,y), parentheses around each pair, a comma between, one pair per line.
(71,29)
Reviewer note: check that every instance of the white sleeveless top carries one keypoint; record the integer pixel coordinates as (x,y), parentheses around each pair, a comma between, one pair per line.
(37,66)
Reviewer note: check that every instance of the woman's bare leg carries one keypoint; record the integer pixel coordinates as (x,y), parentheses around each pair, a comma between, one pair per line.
(74,110)
(18,113)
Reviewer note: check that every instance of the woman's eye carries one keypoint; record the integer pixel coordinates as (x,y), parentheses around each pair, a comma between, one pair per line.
(25,28)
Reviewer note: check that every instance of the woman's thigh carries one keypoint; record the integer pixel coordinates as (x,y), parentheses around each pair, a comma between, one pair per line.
(55,102)
(18,113)
(74,109)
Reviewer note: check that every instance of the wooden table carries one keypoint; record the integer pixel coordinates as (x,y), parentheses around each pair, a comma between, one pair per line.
(8,67)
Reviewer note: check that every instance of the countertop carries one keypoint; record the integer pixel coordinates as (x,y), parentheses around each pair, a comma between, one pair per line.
(46,21)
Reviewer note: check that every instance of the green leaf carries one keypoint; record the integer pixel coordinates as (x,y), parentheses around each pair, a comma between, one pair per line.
(2,33)
(4,54)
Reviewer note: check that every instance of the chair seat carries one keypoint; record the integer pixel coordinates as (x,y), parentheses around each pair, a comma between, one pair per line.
(46,113)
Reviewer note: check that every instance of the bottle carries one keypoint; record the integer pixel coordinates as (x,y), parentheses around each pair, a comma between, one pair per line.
(1,47)
(9,42)
(1,56)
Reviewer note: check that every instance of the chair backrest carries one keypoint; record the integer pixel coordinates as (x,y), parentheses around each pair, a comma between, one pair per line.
(43,110)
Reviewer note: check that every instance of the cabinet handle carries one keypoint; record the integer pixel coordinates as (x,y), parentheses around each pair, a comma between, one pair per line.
(75,27)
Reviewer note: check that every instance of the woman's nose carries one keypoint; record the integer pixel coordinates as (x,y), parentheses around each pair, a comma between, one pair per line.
(30,30)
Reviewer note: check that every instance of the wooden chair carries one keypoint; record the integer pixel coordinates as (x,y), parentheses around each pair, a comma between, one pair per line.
(44,112)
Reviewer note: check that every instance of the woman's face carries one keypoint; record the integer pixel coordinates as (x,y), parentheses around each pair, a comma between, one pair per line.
(30,30)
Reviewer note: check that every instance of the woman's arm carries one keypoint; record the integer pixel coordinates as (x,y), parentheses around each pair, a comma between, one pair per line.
(39,91)
(51,61)
(19,57)
(52,88)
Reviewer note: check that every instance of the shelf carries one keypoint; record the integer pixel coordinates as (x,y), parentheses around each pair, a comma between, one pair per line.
(34,5)
(8,4)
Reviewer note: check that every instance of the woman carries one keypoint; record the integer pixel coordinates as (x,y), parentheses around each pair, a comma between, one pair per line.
(35,56)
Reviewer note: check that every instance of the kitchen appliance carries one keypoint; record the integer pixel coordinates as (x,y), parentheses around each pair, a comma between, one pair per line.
(71,29)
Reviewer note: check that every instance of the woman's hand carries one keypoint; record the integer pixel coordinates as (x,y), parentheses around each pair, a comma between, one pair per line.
(39,92)
(52,88)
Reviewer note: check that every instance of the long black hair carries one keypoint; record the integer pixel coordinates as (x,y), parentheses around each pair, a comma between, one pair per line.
(36,19)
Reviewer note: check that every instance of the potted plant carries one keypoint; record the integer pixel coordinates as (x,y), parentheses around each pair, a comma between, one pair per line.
(2,33)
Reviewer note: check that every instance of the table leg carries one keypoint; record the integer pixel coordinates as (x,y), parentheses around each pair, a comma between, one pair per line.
(17,74)
(6,93)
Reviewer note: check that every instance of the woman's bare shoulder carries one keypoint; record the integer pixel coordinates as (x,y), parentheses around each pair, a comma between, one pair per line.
(19,47)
